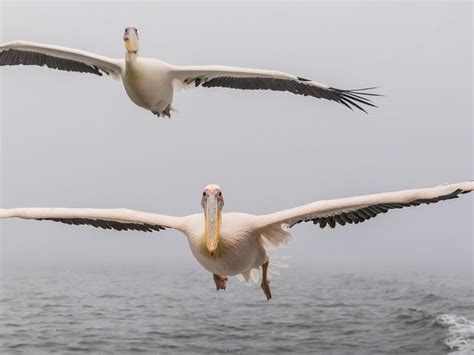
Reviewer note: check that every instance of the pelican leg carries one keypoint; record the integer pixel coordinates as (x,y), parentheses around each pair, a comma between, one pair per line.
(265,283)
(167,111)
(220,281)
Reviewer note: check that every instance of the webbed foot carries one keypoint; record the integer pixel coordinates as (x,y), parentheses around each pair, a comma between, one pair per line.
(221,281)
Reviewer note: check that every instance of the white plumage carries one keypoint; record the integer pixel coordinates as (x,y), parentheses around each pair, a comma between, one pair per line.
(243,239)
(150,83)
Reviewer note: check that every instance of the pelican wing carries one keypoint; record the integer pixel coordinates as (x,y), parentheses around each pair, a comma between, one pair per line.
(359,209)
(118,219)
(56,57)
(257,79)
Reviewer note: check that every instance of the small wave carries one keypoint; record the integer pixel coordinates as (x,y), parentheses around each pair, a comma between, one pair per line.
(413,316)
(460,332)
(19,345)
(431,297)
(336,305)
(110,295)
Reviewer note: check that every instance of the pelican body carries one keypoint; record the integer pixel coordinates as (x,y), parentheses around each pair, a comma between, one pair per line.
(239,250)
(235,244)
(150,83)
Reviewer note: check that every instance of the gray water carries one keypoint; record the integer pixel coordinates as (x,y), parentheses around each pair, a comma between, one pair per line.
(148,308)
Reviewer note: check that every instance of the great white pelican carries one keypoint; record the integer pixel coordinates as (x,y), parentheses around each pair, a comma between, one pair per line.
(235,244)
(150,83)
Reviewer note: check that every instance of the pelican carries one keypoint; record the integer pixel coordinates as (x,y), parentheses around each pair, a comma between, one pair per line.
(150,83)
(235,244)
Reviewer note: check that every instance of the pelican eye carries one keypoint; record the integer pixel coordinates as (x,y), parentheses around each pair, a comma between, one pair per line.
(219,194)
(204,193)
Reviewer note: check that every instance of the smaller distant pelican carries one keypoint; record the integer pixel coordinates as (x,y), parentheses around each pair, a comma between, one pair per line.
(150,83)
(233,244)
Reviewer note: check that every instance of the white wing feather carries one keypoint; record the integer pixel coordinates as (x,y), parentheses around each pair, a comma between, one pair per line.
(261,79)
(88,216)
(107,65)
(181,73)
(330,208)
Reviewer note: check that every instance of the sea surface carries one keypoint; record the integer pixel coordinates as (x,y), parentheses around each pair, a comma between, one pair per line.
(135,308)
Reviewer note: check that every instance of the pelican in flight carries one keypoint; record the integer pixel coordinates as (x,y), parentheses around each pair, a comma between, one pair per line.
(150,83)
(235,244)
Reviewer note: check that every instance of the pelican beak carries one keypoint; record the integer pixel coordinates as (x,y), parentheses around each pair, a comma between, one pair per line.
(213,223)
(128,44)
(130,37)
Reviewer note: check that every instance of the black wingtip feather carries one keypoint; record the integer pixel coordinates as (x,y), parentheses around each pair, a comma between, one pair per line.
(355,97)
(21,57)
(108,224)
(299,86)
(363,214)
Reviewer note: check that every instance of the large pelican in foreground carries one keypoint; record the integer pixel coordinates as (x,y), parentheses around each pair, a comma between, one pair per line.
(228,244)
(150,83)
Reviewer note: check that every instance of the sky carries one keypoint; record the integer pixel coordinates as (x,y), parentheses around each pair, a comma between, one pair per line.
(76,140)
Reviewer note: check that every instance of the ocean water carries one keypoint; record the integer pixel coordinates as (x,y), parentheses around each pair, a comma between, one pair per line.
(146,308)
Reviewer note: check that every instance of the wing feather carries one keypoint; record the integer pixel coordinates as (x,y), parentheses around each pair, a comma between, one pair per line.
(56,57)
(117,219)
(256,79)
(360,209)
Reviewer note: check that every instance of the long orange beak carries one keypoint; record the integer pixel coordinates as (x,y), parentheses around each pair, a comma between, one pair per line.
(213,223)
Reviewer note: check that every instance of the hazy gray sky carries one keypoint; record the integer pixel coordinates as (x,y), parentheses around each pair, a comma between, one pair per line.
(76,140)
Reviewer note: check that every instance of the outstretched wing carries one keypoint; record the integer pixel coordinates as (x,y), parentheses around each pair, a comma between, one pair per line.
(118,219)
(359,209)
(257,79)
(56,57)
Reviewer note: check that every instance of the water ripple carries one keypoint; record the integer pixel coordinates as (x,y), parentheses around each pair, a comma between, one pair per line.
(78,311)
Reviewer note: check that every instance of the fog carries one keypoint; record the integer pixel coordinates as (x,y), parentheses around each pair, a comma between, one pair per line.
(76,140)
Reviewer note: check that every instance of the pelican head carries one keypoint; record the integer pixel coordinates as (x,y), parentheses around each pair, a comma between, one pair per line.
(130,37)
(212,202)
